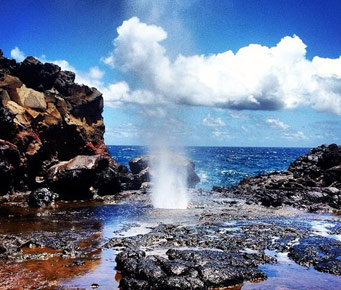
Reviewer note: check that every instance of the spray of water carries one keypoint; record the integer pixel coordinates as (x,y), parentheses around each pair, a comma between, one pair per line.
(168,170)
(169,181)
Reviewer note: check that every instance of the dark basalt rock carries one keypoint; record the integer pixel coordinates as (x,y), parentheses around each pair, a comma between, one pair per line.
(312,182)
(41,197)
(322,253)
(188,269)
(82,177)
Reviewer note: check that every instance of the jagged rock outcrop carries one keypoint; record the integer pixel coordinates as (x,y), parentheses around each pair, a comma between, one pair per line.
(188,269)
(141,167)
(45,118)
(313,181)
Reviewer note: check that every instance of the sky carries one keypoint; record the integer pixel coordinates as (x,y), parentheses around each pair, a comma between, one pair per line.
(218,73)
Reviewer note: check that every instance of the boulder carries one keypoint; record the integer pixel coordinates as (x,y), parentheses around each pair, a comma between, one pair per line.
(142,167)
(41,197)
(29,98)
(83,176)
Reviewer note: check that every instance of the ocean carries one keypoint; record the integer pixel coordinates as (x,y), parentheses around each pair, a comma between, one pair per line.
(224,166)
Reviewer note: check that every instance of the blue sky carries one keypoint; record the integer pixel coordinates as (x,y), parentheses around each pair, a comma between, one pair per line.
(286,92)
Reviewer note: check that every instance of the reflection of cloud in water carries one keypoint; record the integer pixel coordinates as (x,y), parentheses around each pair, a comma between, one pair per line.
(323,229)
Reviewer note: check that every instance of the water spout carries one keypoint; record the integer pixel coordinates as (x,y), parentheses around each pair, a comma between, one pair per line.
(169,181)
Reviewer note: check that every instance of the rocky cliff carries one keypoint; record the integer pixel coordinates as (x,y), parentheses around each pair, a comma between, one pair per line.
(46,118)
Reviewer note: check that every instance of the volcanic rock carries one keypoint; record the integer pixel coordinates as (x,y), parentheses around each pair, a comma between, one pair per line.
(322,253)
(82,177)
(9,166)
(50,119)
(41,197)
(187,269)
(311,182)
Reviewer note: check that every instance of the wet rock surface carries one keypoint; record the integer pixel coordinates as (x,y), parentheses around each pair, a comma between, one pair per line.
(188,269)
(322,253)
(224,246)
(41,197)
(312,182)
(217,242)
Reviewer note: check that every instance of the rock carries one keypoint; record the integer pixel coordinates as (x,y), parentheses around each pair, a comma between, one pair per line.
(128,180)
(37,75)
(320,252)
(51,119)
(187,269)
(29,98)
(333,175)
(312,182)
(9,166)
(82,176)
(41,197)
(139,163)
(141,167)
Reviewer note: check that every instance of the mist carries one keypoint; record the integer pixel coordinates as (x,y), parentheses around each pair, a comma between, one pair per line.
(163,131)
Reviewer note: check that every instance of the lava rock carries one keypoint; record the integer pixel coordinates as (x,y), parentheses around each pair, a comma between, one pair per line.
(50,119)
(187,269)
(41,197)
(306,184)
(82,177)
(321,252)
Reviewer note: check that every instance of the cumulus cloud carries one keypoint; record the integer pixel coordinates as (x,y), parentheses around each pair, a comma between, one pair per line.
(256,77)
(277,124)
(213,122)
(17,54)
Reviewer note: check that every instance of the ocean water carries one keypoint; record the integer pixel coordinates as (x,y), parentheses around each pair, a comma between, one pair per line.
(224,166)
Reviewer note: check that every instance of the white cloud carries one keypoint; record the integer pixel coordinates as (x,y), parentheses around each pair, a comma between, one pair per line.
(127,130)
(256,77)
(109,60)
(221,134)
(17,54)
(213,122)
(277,124)
(295,136)
(244,128)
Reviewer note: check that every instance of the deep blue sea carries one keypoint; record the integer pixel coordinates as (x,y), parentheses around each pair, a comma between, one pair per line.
(224,165)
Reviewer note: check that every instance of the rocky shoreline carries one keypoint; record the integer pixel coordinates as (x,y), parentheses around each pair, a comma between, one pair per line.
(59,187)
(312,182)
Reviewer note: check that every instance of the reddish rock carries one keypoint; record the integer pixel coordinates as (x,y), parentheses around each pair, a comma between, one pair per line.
(49,119)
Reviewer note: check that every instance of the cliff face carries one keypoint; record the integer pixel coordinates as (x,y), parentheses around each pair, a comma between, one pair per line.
(45,118)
